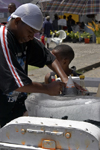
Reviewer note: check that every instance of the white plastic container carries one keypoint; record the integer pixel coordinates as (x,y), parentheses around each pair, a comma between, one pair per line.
(34,133)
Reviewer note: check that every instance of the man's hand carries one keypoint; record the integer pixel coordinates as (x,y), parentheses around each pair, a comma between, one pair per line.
(55,88)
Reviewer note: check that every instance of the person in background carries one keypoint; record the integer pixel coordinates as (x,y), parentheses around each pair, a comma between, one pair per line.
(82,25)
(77,27)
(70,23)
(65,27)
(55,22)
(47,14)
(11,9)
(64,54)
(47,27)
(18,49)
(62,23)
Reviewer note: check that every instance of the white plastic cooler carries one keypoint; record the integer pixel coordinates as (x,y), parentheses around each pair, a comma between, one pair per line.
(45,133)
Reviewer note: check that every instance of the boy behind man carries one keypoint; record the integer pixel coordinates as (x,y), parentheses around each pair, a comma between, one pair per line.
(64,55)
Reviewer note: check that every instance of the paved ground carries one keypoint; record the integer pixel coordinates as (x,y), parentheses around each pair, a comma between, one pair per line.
(86,56)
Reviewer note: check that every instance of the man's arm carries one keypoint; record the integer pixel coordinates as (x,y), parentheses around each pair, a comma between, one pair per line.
(53,88)
(56,67)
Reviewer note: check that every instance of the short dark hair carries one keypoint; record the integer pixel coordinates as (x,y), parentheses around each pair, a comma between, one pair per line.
(70,16)
(64,17)
(56,16)
(13,4)
(64,51)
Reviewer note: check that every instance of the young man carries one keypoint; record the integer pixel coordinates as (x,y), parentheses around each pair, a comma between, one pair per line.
(17,40)
(11,9)
(64,54)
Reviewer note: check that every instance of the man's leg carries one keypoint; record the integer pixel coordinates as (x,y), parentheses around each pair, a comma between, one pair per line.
(48,45)
(48,42)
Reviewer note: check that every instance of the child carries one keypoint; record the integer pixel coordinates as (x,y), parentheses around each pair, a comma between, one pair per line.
(64,55)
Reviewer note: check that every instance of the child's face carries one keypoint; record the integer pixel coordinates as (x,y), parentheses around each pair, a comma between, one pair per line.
(24,33)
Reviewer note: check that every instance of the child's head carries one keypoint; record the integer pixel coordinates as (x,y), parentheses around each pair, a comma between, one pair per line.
(64,54)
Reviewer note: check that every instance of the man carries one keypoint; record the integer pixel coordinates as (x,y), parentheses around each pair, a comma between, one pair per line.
(47,26)
(55,22)
(17,40)
(11,9)
(62,23)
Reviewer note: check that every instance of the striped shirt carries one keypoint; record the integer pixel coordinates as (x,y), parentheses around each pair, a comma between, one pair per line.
(12,75)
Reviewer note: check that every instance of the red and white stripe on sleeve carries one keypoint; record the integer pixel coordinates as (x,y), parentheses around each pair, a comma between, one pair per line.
(7,56)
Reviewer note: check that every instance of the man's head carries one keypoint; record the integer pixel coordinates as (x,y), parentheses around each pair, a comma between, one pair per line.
(70,16)
(25,21)
(64,54)
(48,18)
(64,17)
(11,8)
(56,16)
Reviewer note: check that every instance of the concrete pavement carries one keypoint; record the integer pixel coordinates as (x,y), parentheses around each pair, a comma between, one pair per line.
(87,59)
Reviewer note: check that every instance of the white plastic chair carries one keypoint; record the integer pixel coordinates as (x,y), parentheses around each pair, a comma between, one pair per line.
(58,40)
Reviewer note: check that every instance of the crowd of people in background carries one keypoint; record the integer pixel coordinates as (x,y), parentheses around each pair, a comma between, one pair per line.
(64,22)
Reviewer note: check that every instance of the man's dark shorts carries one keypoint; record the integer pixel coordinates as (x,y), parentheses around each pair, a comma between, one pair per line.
(11,110)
